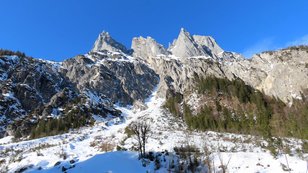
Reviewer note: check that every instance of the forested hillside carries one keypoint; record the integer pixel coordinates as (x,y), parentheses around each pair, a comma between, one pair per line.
(233,106)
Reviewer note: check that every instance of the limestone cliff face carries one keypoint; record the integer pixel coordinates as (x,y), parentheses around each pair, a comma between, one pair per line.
(208,44)
(179,75)
(188,57)
(185,46)
(147,48)
(282,73)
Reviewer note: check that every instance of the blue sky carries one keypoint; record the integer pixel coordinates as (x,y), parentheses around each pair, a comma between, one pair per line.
(60,29)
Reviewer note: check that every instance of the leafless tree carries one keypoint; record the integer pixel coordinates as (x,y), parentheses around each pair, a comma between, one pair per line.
(141,129)
(208,160)
(223,166)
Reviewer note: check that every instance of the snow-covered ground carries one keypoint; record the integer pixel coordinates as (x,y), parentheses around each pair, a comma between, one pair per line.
(86,149)
(107,162)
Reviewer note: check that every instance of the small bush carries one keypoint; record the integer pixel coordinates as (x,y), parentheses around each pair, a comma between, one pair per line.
(305,147)
(157,162)
(106,146)
(119,148)
(151,156)
(128,131)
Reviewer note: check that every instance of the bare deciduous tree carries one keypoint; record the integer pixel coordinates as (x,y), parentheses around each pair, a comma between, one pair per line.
(141,129)
(208,159)
(223,166)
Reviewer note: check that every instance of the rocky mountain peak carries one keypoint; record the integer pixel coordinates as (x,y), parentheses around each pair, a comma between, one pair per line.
(208,44)
(106,42)
(184,33)
(147,47)
(185,46)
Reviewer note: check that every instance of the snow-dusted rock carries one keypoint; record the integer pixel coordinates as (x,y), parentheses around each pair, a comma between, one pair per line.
(122,81)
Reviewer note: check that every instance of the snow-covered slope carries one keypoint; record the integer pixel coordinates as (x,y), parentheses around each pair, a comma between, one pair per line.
(85,150)
(110,77)
(34,90)
(107,162)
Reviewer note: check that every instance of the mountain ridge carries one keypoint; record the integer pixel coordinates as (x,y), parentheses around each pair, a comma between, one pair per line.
(112,72)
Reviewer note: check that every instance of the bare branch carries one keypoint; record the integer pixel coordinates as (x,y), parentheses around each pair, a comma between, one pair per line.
(141,129)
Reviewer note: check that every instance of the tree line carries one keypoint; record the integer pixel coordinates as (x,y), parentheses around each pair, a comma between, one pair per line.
(248,111)
(10,53)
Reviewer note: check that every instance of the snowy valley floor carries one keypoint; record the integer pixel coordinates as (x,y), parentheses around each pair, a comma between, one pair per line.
(84,150)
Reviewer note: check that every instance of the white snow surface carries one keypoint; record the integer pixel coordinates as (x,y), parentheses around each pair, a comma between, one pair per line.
(99,61)
(82,147)
(107,162)
(54,65)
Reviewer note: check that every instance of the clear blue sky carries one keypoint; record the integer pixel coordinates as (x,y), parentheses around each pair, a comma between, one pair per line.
(60,29)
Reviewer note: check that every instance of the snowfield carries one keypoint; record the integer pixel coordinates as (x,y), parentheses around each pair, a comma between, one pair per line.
(93,149)
(107,162)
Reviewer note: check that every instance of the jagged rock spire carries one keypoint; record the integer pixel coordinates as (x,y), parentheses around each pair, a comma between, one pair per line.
(185,46)
(147,47)
(106,42)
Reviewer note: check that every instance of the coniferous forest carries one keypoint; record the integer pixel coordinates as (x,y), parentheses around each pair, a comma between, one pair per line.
(233,106)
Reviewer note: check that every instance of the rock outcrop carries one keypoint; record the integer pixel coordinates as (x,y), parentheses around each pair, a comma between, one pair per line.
(188,57)
(282,73)
(147,48)
(106,42)
(185,46)
(27,84)
(122,80)
(208,44)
